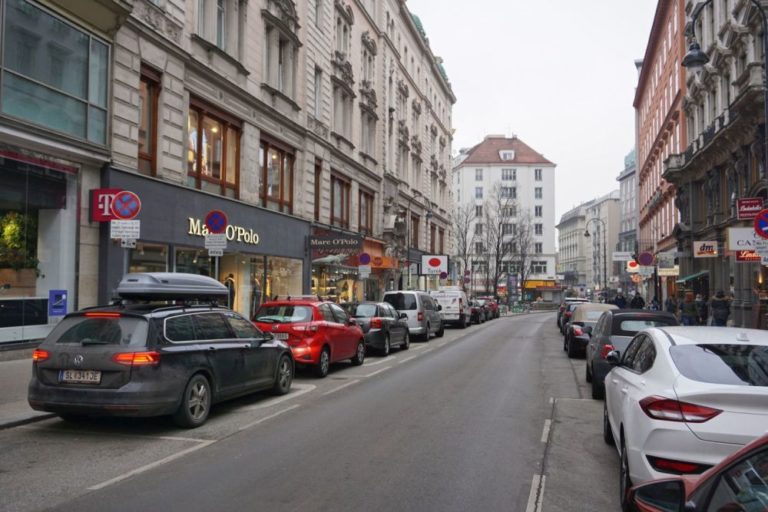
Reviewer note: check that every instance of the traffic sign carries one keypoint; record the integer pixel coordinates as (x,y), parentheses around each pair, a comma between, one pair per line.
(646,259)
(216,221)
(761,223)
(125,229)
(364,258)
(126,205)
(216,241)
(215,252)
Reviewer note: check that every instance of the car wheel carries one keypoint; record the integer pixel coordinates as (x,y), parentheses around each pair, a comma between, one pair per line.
(425,336)
(598,390)
(195,403)
(386,349)
(587,374)
(323,365)
(440,331)
(625,483)
(406,340)
(463,322)
(359,354)
(284,377)
(607,433)
(571,349)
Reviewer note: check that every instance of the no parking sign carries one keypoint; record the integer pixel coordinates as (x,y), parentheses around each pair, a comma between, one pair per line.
(761,223)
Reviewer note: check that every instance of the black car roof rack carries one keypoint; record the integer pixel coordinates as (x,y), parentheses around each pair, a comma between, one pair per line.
(177,286)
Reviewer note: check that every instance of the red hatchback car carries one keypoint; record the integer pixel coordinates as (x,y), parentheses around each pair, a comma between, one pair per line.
(319,333)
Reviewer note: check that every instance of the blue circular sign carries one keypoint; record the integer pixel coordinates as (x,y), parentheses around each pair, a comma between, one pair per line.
(216,221)
(761,223)
(126,205)
(364,258)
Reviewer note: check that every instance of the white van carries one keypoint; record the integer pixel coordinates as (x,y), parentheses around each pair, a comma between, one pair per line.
(455,305)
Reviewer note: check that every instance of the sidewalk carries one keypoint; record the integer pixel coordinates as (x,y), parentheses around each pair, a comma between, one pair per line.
(14,409)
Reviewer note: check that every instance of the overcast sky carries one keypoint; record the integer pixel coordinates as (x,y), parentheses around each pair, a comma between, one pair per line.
(559,74)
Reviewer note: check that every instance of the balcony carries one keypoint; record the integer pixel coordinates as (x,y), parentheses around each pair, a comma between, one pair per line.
(105,15)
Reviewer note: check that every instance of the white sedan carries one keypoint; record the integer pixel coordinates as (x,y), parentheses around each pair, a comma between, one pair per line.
(680,399)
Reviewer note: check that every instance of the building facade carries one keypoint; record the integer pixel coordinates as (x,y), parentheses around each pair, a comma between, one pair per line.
(571,254)
(503,182)
(661,130)
(628,217)
(602,222)
(309,124)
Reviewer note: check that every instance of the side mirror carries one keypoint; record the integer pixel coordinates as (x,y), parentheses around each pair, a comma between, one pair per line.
(664,495)
(403,316)
(587,330)
(351,321)
(613,357)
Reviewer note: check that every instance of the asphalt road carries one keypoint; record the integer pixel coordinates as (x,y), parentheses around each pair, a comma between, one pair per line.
(489,418)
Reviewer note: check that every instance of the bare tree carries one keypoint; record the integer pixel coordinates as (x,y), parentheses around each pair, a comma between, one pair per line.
(523,247)
(461,221)
(500,209)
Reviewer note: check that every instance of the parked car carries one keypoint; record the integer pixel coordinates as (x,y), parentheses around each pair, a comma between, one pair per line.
(383,326)
(563,306)
(681,399)
(737,483)
(476,312)
(567,315)
(144,357)
(581,322)
(493,307)
(319,333)
(613,331)
(423,312)
(486,309)
(454,304)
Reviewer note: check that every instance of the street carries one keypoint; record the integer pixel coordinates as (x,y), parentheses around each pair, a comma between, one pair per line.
(493,417)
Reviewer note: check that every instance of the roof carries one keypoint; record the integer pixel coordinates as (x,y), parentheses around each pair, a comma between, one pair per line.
(487,152)
(706,334)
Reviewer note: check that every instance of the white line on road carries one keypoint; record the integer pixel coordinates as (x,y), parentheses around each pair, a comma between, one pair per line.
(267,418)
(377,372)
(301,389)
(427,351)
(341,387)
(536,497)
(378,361)
(408,359)
(153,465)
(545,433)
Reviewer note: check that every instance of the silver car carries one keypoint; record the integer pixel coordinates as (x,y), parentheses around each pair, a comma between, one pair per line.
(423,312)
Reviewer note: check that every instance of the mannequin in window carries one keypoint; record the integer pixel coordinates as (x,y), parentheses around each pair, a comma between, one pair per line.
(229,282)
(255,296)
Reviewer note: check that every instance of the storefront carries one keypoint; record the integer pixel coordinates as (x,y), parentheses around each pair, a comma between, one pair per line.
(335,265)
(38,244)
(265,255)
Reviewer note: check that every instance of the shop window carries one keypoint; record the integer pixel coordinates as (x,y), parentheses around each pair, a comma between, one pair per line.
(366,213)
(340,188)
(276,177)
(149,258)
(284,277)
(54,74)
(194,261)
(149,93)
(213,159)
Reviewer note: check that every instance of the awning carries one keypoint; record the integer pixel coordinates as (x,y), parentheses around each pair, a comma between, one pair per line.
(692,276)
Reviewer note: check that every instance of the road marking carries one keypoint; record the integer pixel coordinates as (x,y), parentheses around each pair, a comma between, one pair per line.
(379,361)
(301,390)
(408,359)
(175,438)
(545,434)
(341,387)
(418,347)
(267,418)
(150,466)
(536,497)
(427,351)
(377,372)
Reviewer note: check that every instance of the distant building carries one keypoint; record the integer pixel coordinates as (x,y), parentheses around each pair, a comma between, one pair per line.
(628,210)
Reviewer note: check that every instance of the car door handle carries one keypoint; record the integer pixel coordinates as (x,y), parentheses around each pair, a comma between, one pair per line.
(211,347)
(625,390)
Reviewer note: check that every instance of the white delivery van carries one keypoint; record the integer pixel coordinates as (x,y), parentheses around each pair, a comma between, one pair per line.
(455,305)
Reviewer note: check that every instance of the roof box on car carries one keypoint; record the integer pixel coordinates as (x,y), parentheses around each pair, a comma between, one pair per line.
(170,286)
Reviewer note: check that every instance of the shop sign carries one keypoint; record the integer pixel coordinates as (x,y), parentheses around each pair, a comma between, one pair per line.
(101,204)
(742,239)
(672,271)
(434,264)
(705,249)
(633,267)
(747,256)
(622,256)
(646,271)
(665,260)
(748,207)
(341,242)
(234,233)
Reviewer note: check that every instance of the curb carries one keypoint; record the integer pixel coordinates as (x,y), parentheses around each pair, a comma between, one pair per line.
(26,421)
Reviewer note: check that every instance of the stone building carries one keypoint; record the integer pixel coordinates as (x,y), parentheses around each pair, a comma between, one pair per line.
(628,211)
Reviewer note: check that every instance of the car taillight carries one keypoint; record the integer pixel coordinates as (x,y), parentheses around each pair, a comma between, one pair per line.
(137,358)
(40,355)
(677,467)
(567,313)
(604,351)
(102,314)
(376,323)
(306,330)
(660,408)
(577,330)
(420,316)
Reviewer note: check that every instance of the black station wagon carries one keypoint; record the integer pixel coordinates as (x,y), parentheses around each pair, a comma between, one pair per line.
(165,347)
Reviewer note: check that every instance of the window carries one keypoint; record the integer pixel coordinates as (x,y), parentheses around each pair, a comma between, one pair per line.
(538,193)
(509,174)
(479,228)
(538,247)
(478,192)
(276,177)
(432,238)
(318,12)
(479,248)
(507,155)
(281,47)
(509,211)
(508,229)
(742,485)
(415,231)
(367,132)
(538,211)
(343,30)
(509,192)
(340,188)
(212,159)
(537,175)
(221,19)
(211,326)
(318,187)
(538,229)
(478,210)
(342,111)
(149,92)
(441,241)
(366,213)
(317,101)
(538,267)
(54,75)
(478,175)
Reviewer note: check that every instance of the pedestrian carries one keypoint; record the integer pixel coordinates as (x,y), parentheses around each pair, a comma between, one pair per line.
(689,315)
(620,301)
(670,305)
(703,310)
(637,302)
(721,309)
(655,306)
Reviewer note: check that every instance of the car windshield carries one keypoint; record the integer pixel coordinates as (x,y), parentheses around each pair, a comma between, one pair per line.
(592,315)
(401,301)
(630,327)
(84,330)
(737,365)
(283,314)
(365,310)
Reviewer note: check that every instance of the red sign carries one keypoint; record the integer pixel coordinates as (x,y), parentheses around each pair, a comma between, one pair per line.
(101,204)
(747,256)
(748,207)
(126,205)
(761,223)
(216,221)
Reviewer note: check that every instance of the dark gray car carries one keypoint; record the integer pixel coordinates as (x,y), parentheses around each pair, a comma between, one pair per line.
(383,326)
(613,331)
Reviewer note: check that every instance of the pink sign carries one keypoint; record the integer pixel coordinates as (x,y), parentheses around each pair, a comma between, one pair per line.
(101,204)
(748,207)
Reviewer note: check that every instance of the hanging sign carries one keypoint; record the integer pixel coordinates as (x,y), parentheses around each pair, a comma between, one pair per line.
(705,249)
(748,208)
(622,256)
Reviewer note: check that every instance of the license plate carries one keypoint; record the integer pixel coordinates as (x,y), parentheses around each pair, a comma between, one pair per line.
(281,335)
(80,376)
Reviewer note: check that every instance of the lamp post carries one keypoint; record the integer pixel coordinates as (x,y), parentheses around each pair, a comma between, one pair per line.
(696,58)
(605,264)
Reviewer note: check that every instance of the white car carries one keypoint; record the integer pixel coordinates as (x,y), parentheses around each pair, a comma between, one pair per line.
(680,399)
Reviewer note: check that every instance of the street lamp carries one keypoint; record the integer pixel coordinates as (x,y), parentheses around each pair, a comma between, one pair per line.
(605,267)
(696,58)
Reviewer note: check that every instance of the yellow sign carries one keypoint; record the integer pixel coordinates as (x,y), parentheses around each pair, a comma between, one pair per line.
(539,284)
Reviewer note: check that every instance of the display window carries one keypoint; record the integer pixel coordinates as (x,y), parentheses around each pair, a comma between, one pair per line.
(148,258)
(337,283)
(38,252)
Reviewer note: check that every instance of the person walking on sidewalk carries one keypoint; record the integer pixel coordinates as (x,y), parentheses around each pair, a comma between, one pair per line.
(701,309)
(721,309)
(637,302)
(670,305)
(689,315)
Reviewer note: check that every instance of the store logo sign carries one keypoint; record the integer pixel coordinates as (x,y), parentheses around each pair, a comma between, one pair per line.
(706,249)
(748,207)
(234,233)
(101,204)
